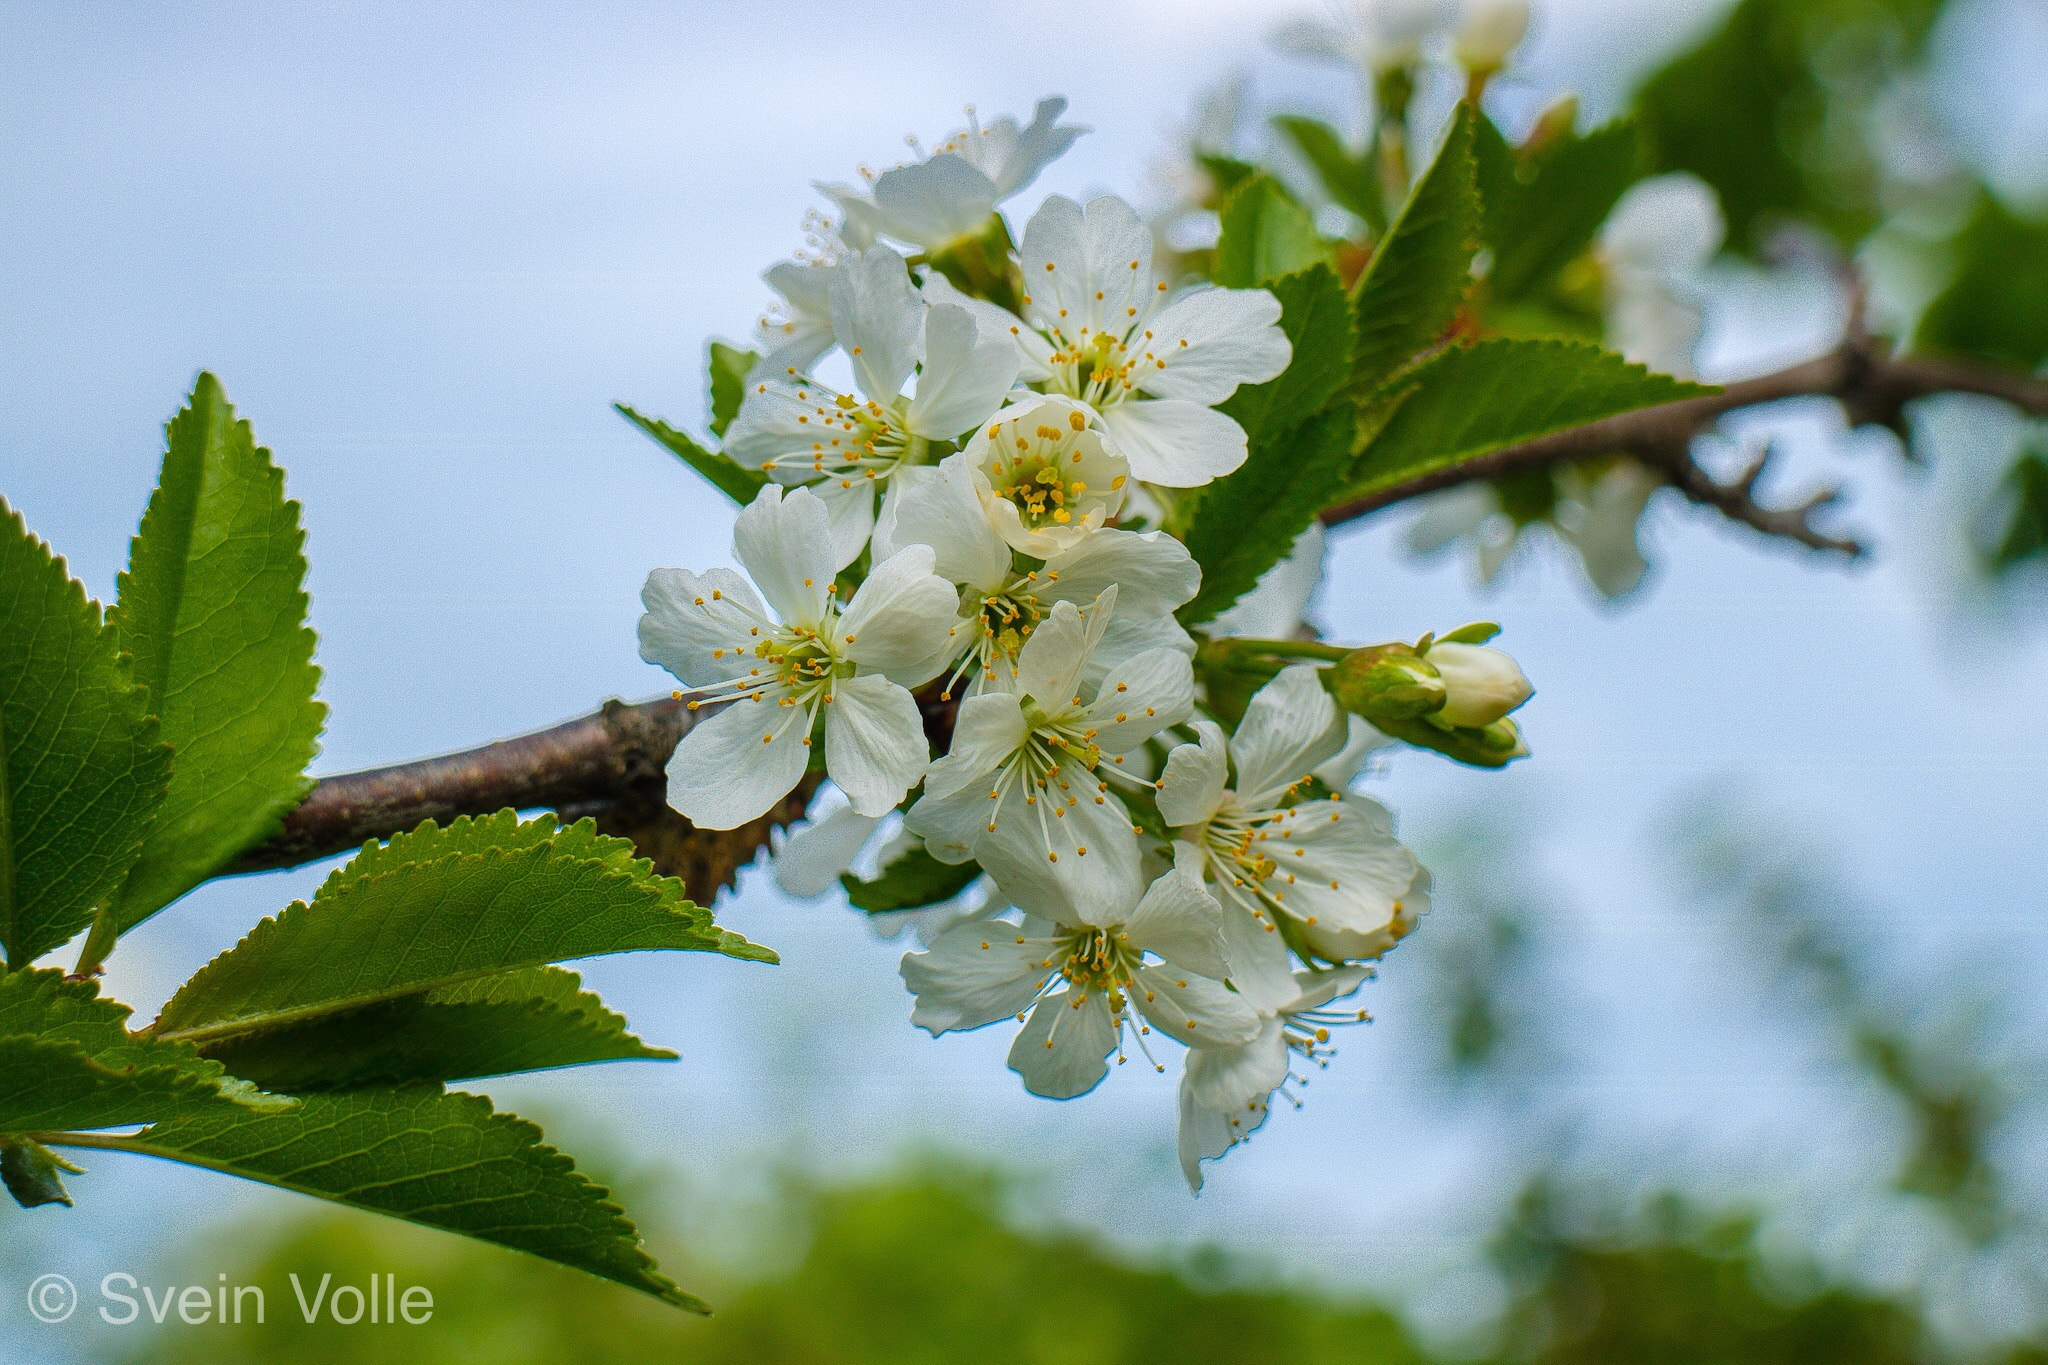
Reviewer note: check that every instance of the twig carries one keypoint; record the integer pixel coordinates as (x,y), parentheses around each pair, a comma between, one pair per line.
(609,765)
(1873,389)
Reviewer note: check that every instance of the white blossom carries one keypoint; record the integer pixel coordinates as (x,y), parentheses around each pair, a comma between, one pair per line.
(796,332)
(952,193)
(1329,868)
(950,509)
(1652,248)
(1097,327)
(1373,35)
(1025,790)
(846,448)
(1075,987)
(779,674)
(1226,1092)
(1488,33)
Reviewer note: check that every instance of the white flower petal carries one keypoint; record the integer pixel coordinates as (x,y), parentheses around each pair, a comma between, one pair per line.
(1141,697)
(875,747)
(967,372)
(1451,515)
(1211,341)
(939,507)
(1179,920)
(1191,787)
(690,617)
(785,541)
(1175,443)
(1238,1079)
(1319,988)
(901,621)
(1063,1049)
(1012,157)
(1206,1133)
(1258,958)
(1349,842)
(782,416)
(850,514)
(987,730)
(810,860)
(1079,865)
(974,974)
(1049,666)
(1192,1009)
(1125,638)
(1290,728)
(879,319)
(932,202)
(732,766)
(1153,573)
(1034,352)
(951,823)
(1086,267)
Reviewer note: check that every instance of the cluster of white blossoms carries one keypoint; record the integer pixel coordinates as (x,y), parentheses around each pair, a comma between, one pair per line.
(961,544)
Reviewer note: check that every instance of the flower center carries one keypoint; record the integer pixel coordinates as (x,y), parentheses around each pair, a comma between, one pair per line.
(1040,474)
(856,441)
(1097,960)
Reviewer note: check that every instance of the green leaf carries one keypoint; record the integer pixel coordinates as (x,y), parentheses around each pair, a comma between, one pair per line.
(81,768)
(47,1087)
(1543,210)
(1265,235)
(531,1020)
(213,611)
(1226,172)
(438,908)
(31,1173)
(726,474)
(729,368)
(1350,180)
(1247,521)
(913,879)
(1416,282)
(1473,400)
(1317,319)
(46,1007)
(442,1160)
(1765,109)
(1996,306)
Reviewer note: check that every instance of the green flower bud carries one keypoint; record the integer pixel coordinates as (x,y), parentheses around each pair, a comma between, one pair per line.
(1386,683)
(1482,684)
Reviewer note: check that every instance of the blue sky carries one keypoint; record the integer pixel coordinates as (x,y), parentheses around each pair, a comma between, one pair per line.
(425,252)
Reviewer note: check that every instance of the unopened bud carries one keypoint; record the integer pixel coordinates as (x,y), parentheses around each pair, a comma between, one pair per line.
(1492,29)
(1482,684)
(1386,683)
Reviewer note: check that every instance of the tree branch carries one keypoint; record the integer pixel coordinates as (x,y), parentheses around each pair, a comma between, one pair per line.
(1872,387)
(612,764)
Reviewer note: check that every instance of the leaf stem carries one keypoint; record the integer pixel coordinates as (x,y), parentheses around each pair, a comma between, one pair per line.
(106,930)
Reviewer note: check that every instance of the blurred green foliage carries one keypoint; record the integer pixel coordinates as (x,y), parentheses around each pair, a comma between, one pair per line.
(927,1267)
(1774,109)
